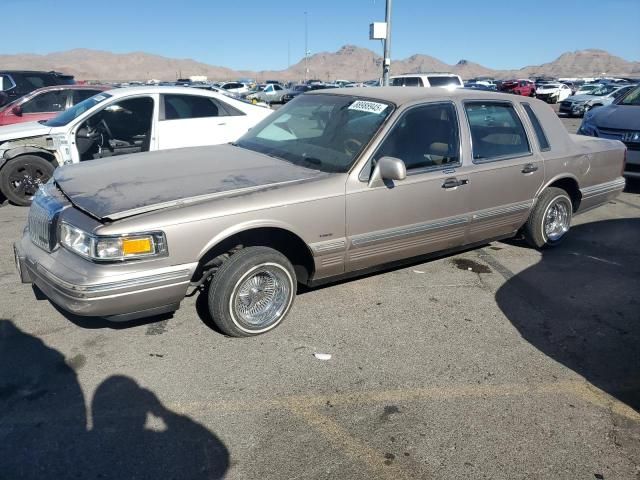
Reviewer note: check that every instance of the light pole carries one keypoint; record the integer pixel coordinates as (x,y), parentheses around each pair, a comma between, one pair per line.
(386,62)
(306,48)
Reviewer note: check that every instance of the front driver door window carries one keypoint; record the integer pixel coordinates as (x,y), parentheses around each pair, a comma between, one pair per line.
(416,215)
(119,128)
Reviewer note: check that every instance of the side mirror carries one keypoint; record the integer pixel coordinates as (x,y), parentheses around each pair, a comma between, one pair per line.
(387,169)
(17,110)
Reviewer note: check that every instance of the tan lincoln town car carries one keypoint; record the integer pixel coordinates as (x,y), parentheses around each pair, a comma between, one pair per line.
(334,184)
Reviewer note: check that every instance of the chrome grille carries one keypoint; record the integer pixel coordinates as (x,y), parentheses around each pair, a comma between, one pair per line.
(612,133)
(40,226)
(43,214)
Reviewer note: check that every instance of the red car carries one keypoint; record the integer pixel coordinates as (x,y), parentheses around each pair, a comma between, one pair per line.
(45,103)
(525,88)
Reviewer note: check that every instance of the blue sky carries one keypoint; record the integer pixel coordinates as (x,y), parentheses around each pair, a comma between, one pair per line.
(256,35)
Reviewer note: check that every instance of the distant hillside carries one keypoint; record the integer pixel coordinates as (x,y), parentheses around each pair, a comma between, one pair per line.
(349,62)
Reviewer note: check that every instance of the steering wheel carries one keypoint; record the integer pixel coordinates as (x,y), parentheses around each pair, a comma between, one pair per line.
(106,128)
(352,146)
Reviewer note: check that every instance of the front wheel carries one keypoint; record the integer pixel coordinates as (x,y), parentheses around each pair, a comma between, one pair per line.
(252,292)
(21,177)
(550,219)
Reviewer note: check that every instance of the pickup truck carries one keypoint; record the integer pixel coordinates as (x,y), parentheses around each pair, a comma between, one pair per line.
(334,184)
(117,122)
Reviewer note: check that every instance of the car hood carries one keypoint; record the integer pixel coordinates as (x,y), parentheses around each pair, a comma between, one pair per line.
(119,187)
(622,117)
(580,98)
(23,130)
(547,89)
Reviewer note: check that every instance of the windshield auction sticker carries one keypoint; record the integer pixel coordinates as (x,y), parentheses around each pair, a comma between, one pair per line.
(369,107)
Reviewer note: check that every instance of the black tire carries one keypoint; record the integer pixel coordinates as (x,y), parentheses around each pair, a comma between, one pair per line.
(225,290)
(534,230)
(21,177)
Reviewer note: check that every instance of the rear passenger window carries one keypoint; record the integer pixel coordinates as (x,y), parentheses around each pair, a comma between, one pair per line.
(542,138)
(180,107)
(496,131)
(82,95)
(425,137)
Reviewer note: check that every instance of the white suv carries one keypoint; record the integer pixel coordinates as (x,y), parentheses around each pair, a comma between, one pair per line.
(427,80)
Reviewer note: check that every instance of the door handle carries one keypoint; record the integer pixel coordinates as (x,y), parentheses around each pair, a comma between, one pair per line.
(529,168)
(224,123)
(453,182)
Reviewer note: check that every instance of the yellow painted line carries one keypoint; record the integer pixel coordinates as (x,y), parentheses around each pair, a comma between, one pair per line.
(577,388)
(344,442)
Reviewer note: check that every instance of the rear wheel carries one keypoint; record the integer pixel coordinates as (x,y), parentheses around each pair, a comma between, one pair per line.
(21,177)
(252,292)
(550,219)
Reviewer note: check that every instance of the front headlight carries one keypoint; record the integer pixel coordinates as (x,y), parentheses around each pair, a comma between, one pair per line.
(112,248)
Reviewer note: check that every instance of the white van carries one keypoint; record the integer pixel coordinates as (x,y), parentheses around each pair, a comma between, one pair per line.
(426,80)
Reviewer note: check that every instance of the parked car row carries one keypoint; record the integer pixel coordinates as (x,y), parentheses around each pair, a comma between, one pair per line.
(620,120)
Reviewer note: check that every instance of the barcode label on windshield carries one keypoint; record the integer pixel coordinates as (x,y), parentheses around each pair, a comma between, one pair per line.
(369,107)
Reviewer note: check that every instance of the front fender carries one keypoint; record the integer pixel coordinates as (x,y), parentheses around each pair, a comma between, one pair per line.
(245,226)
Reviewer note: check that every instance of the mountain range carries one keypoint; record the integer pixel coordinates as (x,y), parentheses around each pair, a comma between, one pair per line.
(349,62)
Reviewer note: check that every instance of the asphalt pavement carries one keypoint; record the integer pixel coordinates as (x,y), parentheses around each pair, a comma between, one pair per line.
(501,362)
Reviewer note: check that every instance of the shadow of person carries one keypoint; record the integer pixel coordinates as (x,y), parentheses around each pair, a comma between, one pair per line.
(42,409)
(580,305)
(43,424)
(135,436)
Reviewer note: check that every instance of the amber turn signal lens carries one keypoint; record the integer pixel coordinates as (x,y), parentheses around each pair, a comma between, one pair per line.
(137,246)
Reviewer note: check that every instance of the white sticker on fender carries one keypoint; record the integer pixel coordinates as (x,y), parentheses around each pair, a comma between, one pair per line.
(369,107)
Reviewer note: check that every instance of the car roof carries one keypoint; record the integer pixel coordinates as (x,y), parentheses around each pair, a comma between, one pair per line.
(423,74)
(148,90)
(72,87)
(403,95)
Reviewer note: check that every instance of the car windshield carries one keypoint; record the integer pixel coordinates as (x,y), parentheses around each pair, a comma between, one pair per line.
(74,112)
(631,98)
(301,88)
(603,90)
(322,132)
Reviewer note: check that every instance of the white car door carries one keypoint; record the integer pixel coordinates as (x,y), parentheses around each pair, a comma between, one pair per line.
(565,92)
(195,120)
(68,144)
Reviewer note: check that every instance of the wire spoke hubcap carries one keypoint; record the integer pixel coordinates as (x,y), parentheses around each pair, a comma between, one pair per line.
(262,296)
(557,219)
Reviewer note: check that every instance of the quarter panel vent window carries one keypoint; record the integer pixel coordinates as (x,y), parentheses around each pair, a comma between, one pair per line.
(537,127)
(496,131)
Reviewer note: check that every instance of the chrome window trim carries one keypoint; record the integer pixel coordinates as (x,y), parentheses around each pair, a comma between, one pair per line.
(364,175)
(500,157)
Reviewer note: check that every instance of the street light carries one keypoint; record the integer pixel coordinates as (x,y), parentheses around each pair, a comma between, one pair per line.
(386,63)
(306,48)
(382,31)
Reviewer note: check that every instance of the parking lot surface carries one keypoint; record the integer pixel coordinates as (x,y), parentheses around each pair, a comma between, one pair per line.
(501,362)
